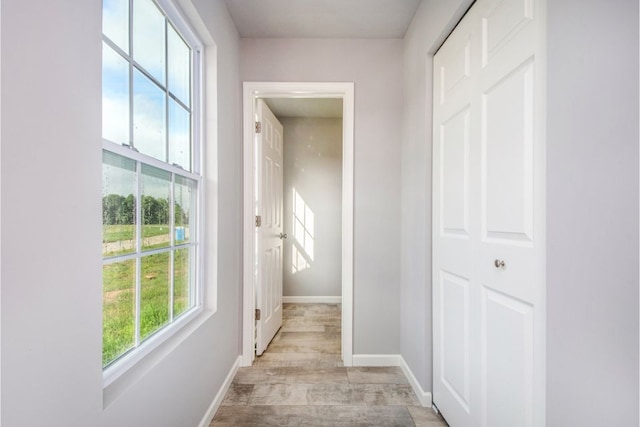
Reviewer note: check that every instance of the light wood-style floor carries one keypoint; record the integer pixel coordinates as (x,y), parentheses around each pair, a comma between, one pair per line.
(300,381)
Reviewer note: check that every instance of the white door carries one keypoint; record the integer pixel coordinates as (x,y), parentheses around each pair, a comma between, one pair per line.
(269,233)
(488,216)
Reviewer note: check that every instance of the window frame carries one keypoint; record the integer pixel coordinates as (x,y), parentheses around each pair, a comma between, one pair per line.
(144,347)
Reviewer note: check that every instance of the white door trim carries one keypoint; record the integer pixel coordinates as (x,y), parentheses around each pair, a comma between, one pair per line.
(252,91)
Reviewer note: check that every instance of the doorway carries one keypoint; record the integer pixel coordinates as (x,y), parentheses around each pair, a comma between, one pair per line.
(279,93)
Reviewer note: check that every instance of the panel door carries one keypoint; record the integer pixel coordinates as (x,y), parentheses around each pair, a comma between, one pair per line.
(511,241)
(269,234)
(502,305)
(454,290)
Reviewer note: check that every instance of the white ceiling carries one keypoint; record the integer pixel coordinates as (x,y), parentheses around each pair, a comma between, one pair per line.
(322,18)
(306,107)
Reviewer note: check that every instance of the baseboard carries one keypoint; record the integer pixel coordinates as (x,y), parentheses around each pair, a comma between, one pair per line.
(208,416)
(424,397)
(376,360)
(312,300)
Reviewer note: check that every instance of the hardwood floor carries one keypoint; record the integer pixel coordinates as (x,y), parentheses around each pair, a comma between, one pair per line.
(300,381)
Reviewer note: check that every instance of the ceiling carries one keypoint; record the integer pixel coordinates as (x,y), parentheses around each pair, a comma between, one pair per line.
(322,18)
(306,107)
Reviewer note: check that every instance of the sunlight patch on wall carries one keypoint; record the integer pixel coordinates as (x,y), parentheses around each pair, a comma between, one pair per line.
(303,224)
(298,261)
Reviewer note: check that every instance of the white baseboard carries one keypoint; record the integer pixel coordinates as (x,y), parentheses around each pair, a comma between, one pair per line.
(312,300)
(206,420)
(424,397)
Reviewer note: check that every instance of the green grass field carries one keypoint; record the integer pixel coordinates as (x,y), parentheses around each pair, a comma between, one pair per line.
(116,233)
(119,299)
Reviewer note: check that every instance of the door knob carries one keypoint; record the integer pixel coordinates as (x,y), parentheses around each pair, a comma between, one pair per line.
(283,235)
(499,263)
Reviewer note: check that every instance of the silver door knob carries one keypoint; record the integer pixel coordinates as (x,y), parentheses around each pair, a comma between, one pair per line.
(499,263)
(283,235)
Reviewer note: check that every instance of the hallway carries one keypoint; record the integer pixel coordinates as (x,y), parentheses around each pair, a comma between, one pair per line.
(300,380)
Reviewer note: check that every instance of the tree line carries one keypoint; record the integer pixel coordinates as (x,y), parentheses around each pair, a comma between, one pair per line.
(121,210)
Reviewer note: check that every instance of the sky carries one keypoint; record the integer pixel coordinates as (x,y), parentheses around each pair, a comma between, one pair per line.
(149,99)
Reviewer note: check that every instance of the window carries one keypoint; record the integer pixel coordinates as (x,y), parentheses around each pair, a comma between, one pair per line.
(151,177)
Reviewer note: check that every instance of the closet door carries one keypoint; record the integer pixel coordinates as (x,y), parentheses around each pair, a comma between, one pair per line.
(455,295)
(488,245)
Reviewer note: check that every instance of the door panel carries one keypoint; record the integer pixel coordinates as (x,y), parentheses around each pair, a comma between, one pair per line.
(454,151)
(455,70)
(507,163)
(507,355)
(502,21)
(455,345)
(269,283)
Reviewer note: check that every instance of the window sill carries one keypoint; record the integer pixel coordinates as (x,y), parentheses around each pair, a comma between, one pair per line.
(118,377)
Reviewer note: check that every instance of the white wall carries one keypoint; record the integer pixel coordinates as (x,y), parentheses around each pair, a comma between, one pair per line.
(376,68)
(433,21)
(592,192)
(51,276)
(313,169)
(51,232)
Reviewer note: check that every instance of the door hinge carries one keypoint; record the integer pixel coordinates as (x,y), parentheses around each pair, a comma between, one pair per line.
(258,127)
(257,314)
(258,221)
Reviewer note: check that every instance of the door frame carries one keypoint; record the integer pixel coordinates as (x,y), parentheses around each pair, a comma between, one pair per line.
(251,92)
